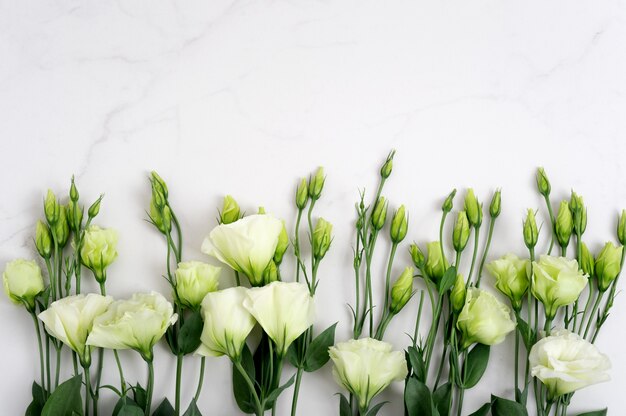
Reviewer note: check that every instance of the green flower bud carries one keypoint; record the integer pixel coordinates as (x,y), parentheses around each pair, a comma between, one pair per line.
(457,296)
(608,265)
(564,224)
(270,274)
(43,240)
(385,170)
(94,209)
(322,237)
(161,217)
(379,215)
(230,210)
(399,225)
(401,291)
(261,211)
(621,228)
(281,246)
(75,221)
(461,232)
(494,207)
(23,282)
(531,233)
(302,194)
(417,256)
(448,203)
(511,274)
(543,184)
(99,250)
(51,208)
(436,264)
(473,209)
(61,228)
(73,192)
(159,183)
(587,262)
(579,213)
(316,184)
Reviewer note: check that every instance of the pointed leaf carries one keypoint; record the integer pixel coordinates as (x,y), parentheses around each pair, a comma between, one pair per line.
(140,396)
(483,410)
(164,409)
(505,407)
(193,409)
(276,392)
(417,399)
(189,335)
(317,352)
(595,413)
(447,281)
(241,391)
(344,406)
(35,407)
(65,400)
(416,360)
(476,363)
(374,410)
(442,398)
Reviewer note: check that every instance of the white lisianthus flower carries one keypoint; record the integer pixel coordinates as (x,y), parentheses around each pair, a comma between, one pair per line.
(565,362)
(284,311)
(194,280)
(226,323)
(136,323)
(99,250)
(366,366)
(556,282)
(247,245)
(511,277)
(22,282)
(484,319)
(71,321)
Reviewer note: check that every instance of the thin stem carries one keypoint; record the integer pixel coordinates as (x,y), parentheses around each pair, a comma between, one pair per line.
(119,367)
(552,222)
(179,370)
(48,372)
(492,223)
(201,380)
(461,389)
(39,344)
(246,377)
(296,391)
(296,244)
(430,341)
(150,386)
(394,246)
(441,225)
(593,313)
(87,389)
(516,362)
(279,370)
(237,281)
(179,233)
(476,242)
(368,280)
(590,297)
(58,347)
(419,317)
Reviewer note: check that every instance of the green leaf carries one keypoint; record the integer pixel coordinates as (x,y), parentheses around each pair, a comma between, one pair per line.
(595,413)
(65,400)
(140,395)
(521,396)
(505,407)
(442,398)
(415,359)
(374,410)
(528,335)
(189,335)
(476,363)
(164,409)
(483,410)
(344,406)
(292,353)
(417,399)
(271,398)
(447,281)
(35,407)
(241,391)
(317,352)
(192,410)
(127,407)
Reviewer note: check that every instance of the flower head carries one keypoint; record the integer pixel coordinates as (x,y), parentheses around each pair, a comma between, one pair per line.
(556,282)
(22,282)
(511,277)
(607,265)
(436,264)
(194,280)
(484,319)
(99,250)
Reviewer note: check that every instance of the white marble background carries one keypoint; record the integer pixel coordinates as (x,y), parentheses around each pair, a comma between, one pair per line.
(244,97)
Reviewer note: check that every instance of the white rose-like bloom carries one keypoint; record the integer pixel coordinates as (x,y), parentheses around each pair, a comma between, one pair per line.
(366,366)
(565,362)
(136,323)
(247,245)
(284,311)
(99,250)
(194,280)
(556,282)
(226,323)
(71,321)
(484,319)
(22,281)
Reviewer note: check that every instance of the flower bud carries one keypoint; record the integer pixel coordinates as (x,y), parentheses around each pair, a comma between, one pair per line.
(61,229)
(473,209)
(261,211)
(399,225)
(99,250)
(302,194)
(417,256)
(461,232)
(230,210)
(621,228)
(23,282)
(43,240)
(543,184)
(51,208)
(564,224)
(379,215)
(401,291)
(448,203)
(531,233)
(94,209)
(385,170)
(74,216)
(270,274)
(608,265)
(579,213)
(162,220)
(316,184)
(281,247)
(511,274)
(436,264)
(322,238)
(495,206)
(457,296)
(194,280)
(73,192)
(159,183)
(587,262)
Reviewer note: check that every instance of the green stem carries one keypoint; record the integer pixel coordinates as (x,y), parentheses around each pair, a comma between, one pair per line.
(296,244)
(58,347)
(87,389)
(48,372)
(593,313)
(492,223)
(279,370)
(38,331)
(394,246)
(552,222)
(368,282)
(590,297)
(119,367)
(179,370)
(516,362)
(430,341)
(461,389)
(237,280)
(150,386)
(257,403)
(476,242)
(179,233)
(201,380)
(296,391)
(441,225)
(417,320)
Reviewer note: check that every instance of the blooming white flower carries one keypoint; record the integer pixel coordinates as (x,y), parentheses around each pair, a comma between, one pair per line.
(565,362)
(366,366)
(22,281)
(194,280)
(247,245)
(226,323)
(284,311)
(484,319)
(511,277)
(71,319)
(99,250)
(556,282)
(136,323)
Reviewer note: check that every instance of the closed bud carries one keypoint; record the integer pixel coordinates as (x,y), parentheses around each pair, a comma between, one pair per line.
(531,233)
(457,296)
(417,256)
(74,215)
(62,229)
(73,192)
(399,225)
(316,184)
(587,262)
(608,265)
(579,213)
(495,206)
(401,291)
(230,210)
(94,209)
(322,237)
(261,211)
(564,224)
(621,228)
(281,246)
(270,274)
(385,170)
(51,208)
(302,194)
(161,217)
(159,183)
(473,209)
(379,215)
(543,184)
(436,264)
(461,232)
(448,203)
(43,240)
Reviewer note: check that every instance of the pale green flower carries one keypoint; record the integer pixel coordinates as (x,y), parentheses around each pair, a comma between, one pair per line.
(230,210)
(402,290)
(457,295)
(607,265)
(511,274)
(556,282)
(322,237)
(22,281)
(194,280)
(484,319)
(99,250)
(436,264)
